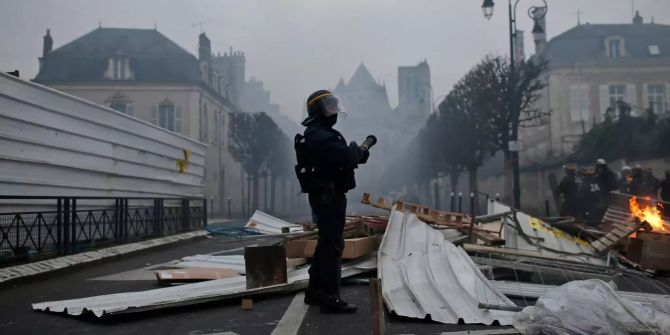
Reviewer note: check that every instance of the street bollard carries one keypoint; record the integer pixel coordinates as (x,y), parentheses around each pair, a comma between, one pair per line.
(451,202)
(229,207)
(460,202)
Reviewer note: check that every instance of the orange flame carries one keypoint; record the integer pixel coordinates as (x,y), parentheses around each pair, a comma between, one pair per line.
(651,214)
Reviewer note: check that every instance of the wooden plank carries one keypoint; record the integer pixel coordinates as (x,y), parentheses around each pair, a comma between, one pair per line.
(192,275)
(506,251)
(377,306)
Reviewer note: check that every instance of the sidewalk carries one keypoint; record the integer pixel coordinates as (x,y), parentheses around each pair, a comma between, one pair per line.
(24,271)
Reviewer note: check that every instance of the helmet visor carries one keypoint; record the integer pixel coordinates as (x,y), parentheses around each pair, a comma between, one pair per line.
(329,103)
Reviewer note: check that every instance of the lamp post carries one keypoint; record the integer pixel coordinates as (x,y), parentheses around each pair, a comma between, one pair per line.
(535,13)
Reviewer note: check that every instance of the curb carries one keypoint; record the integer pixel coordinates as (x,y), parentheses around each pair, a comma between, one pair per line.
(33,270)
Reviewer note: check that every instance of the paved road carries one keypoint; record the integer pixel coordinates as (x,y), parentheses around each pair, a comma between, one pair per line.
(16,316)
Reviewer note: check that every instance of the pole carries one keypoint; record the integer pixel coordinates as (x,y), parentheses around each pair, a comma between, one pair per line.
(472,218)
(514,112)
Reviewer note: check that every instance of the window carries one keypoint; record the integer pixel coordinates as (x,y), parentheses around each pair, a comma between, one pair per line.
(120,103)
(119,70)
(579,102)
(654,50)
(617,93)
(656,97)
(614,47)
(167,116)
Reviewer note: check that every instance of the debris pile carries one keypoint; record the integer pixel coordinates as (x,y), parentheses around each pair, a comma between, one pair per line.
(505,267)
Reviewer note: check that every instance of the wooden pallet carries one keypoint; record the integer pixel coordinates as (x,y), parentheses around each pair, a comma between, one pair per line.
(439,218)
(623,224)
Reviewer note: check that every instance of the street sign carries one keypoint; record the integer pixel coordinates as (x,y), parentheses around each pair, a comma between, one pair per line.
(515,146)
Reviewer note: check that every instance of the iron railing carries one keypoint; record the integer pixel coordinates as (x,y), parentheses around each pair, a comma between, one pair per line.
(46,226)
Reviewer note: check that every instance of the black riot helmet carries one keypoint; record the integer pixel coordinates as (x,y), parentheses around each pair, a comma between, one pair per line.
(322,105)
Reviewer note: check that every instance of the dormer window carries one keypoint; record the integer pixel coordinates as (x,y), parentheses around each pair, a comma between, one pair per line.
(614,47)
(118,68)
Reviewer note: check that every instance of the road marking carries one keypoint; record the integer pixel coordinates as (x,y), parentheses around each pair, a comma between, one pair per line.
(292,319)
(484,332)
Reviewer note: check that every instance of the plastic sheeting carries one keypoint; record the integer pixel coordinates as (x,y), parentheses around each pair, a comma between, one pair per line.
(425,275)
(591,307)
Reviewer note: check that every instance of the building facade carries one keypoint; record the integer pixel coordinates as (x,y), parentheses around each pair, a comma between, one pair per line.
(415,93)
(591,67)
(142,73)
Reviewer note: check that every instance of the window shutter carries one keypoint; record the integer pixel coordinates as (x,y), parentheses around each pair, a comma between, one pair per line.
(631,98)
(177,120)
(154,115)
(575,109)
(604,99)
(645,96)
(585,102)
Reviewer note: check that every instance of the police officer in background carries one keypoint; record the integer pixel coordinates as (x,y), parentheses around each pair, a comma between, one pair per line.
(325,171)
(568,189)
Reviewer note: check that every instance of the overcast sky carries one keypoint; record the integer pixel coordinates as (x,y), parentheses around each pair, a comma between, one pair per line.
(298,46)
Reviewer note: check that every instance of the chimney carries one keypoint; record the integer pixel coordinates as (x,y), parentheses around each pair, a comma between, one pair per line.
(48,44)
(637,19)
(539,29)
(204,49)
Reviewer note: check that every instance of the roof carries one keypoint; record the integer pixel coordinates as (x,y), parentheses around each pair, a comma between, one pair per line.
(362,78)
(152,57)
(586,42)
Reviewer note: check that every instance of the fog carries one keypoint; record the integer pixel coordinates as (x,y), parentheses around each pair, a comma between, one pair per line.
(298,46)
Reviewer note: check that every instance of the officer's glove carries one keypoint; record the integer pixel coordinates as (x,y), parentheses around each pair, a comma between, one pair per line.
(360,155)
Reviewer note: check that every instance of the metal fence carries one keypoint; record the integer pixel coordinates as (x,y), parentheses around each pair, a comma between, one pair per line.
(47,226)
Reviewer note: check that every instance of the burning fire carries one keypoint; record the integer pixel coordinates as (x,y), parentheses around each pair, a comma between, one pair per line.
(651,214)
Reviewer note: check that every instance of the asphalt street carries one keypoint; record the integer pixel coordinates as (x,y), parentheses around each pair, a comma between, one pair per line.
(130,274)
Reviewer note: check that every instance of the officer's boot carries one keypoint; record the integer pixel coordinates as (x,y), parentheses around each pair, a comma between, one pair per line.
(313,295)
(335,304)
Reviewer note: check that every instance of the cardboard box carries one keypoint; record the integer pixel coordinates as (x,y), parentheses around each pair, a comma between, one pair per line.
(650,250)
(353,247)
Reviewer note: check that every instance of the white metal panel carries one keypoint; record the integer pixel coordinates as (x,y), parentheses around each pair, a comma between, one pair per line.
(52,143)
(423,274)
(189,294)
(268,224)
(545,238)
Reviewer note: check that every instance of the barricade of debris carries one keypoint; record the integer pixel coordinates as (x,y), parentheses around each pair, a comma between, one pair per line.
(505,267)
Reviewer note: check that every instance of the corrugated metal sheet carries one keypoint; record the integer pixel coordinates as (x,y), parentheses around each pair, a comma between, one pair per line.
(545,238)
(268,224)
(95,151)
(425,275)
(188,294)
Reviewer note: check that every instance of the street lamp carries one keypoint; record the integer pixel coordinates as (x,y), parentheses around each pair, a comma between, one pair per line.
(487,8)
(535,13)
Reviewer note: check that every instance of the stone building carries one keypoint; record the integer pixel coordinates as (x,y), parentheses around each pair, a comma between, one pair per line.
(591,66)
(415,94)
(142,73)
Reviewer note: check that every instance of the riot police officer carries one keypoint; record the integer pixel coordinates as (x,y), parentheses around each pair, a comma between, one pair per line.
(325,171)
(568,190)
